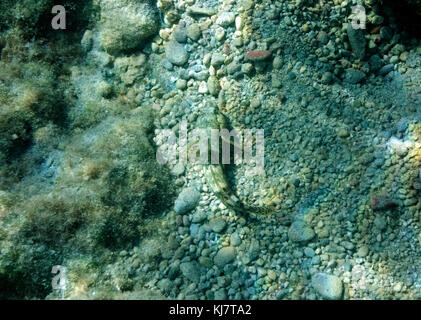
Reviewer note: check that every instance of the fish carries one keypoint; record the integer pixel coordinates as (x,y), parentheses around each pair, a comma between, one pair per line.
(212,118)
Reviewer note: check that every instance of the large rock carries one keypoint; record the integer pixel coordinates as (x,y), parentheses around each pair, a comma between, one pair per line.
(187,200)
(127,24)
(328,286)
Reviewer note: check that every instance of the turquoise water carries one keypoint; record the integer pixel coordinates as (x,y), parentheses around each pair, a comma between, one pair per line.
(210,150)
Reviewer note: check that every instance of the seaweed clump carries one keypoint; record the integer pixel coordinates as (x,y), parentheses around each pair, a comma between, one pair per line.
(107,187)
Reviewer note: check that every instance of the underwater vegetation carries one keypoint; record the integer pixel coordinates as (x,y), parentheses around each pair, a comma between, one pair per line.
(84,110)
(82,196)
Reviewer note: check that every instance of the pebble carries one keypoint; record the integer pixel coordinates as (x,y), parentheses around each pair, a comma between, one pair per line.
(187,200)
(193,32)
(178,168)
(238,42)
(203,87)
(181,84)
(224,256)
(300,232)
(375,63)
(353,76)
(235,240)
(200,11)
(272,275)
(213,86)
(180,34)
(309,252)
(348,245)
(247,4)
(226,19)
(167,64)
(233,67)
(386,69)
(218,224)
(217,60)
(194,230)
(190,270)
(363,251)
(239,23)
(176,53)
(220,294)
(323,37)
(277,62)
(327,77)
(328,286)
(397,287)
(247,68)
(258,55)
(343,133)
(219,34)
(165,285)
(380,223)
(199,216)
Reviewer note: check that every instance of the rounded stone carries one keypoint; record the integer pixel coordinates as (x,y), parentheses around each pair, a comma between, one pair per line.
(176,53)
(181,84)
(226,19)
(219,34)
(191,270)
(213,86)
(277,62)
(180,34)
(194,32)
(187,200)
(126,25)
(362,251)
(235,239)
(300,232)
(343,133)
(328,286)
(217,59)
(218,225)
(353,76)
(178,169)
(327,77)
(224,256)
